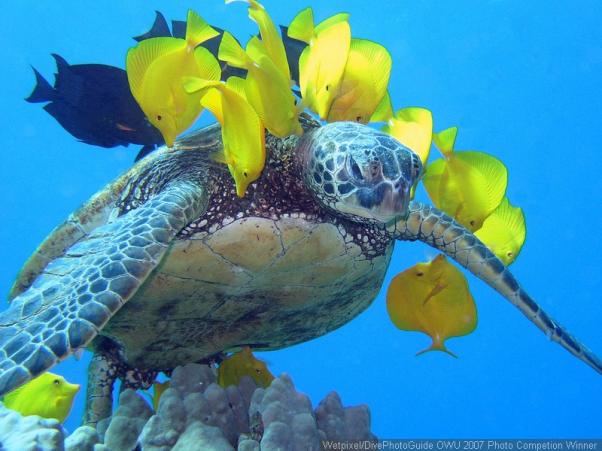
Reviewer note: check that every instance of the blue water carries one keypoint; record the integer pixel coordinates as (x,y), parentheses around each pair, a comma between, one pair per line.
(521,79)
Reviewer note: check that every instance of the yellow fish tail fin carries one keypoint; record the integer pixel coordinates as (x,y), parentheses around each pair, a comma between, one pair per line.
(140,58)
(384,110)
(231,52)
(332,20)
(208,65)
(437,346)
(445,140)
(302,26)
(197,30)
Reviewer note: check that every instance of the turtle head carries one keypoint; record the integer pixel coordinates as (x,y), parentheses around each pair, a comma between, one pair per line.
(359,172)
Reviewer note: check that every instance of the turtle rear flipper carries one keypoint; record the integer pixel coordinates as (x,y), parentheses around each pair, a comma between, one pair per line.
(76,294)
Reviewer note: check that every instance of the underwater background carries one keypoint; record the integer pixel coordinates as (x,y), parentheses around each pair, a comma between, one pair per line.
(521,80)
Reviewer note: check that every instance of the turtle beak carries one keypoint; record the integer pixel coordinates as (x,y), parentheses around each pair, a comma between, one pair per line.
(387,202)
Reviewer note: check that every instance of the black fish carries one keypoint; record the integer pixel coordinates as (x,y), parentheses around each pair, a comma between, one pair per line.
(93,102)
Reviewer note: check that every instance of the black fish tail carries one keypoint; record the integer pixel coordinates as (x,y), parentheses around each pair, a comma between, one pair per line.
(159,29)
(144,152)
(42,92)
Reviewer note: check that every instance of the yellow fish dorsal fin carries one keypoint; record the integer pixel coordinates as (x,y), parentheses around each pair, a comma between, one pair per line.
(209,67)
(197,30)
(302,26)
(140,58)
(384,110)
(332,20)
(445,140)
(231,52)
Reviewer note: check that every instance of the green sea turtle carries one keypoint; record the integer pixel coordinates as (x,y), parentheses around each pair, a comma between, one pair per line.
(166,265)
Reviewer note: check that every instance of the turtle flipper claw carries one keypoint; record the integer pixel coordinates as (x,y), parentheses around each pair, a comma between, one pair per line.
(76,294)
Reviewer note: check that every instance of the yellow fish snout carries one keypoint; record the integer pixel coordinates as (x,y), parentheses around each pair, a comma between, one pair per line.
(71,388)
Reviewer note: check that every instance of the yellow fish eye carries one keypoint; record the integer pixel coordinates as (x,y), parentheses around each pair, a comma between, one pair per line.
(159,117)
(56,382)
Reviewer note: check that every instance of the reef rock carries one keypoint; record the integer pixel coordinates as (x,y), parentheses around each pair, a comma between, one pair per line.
(32,433)
(195,413)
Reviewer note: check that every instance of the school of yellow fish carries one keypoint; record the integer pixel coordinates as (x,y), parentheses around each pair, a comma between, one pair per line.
(341,78)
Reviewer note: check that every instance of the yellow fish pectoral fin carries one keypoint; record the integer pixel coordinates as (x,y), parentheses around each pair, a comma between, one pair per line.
(140,58)
(197,30)
(302,26)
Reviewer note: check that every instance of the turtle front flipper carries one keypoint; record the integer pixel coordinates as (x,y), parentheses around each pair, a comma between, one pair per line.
(435,228)
(76,294)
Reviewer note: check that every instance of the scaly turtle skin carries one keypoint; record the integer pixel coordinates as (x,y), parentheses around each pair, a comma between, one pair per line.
(168,266)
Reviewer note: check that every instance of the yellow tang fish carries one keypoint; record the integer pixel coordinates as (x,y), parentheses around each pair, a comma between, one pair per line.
(504,231)
(156,68)
(48,395)
(243,363)
(266,89)
(466,185)
(270,37)
(364,82)
(432,298)
(322,62)
(243,134)
(413,127)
